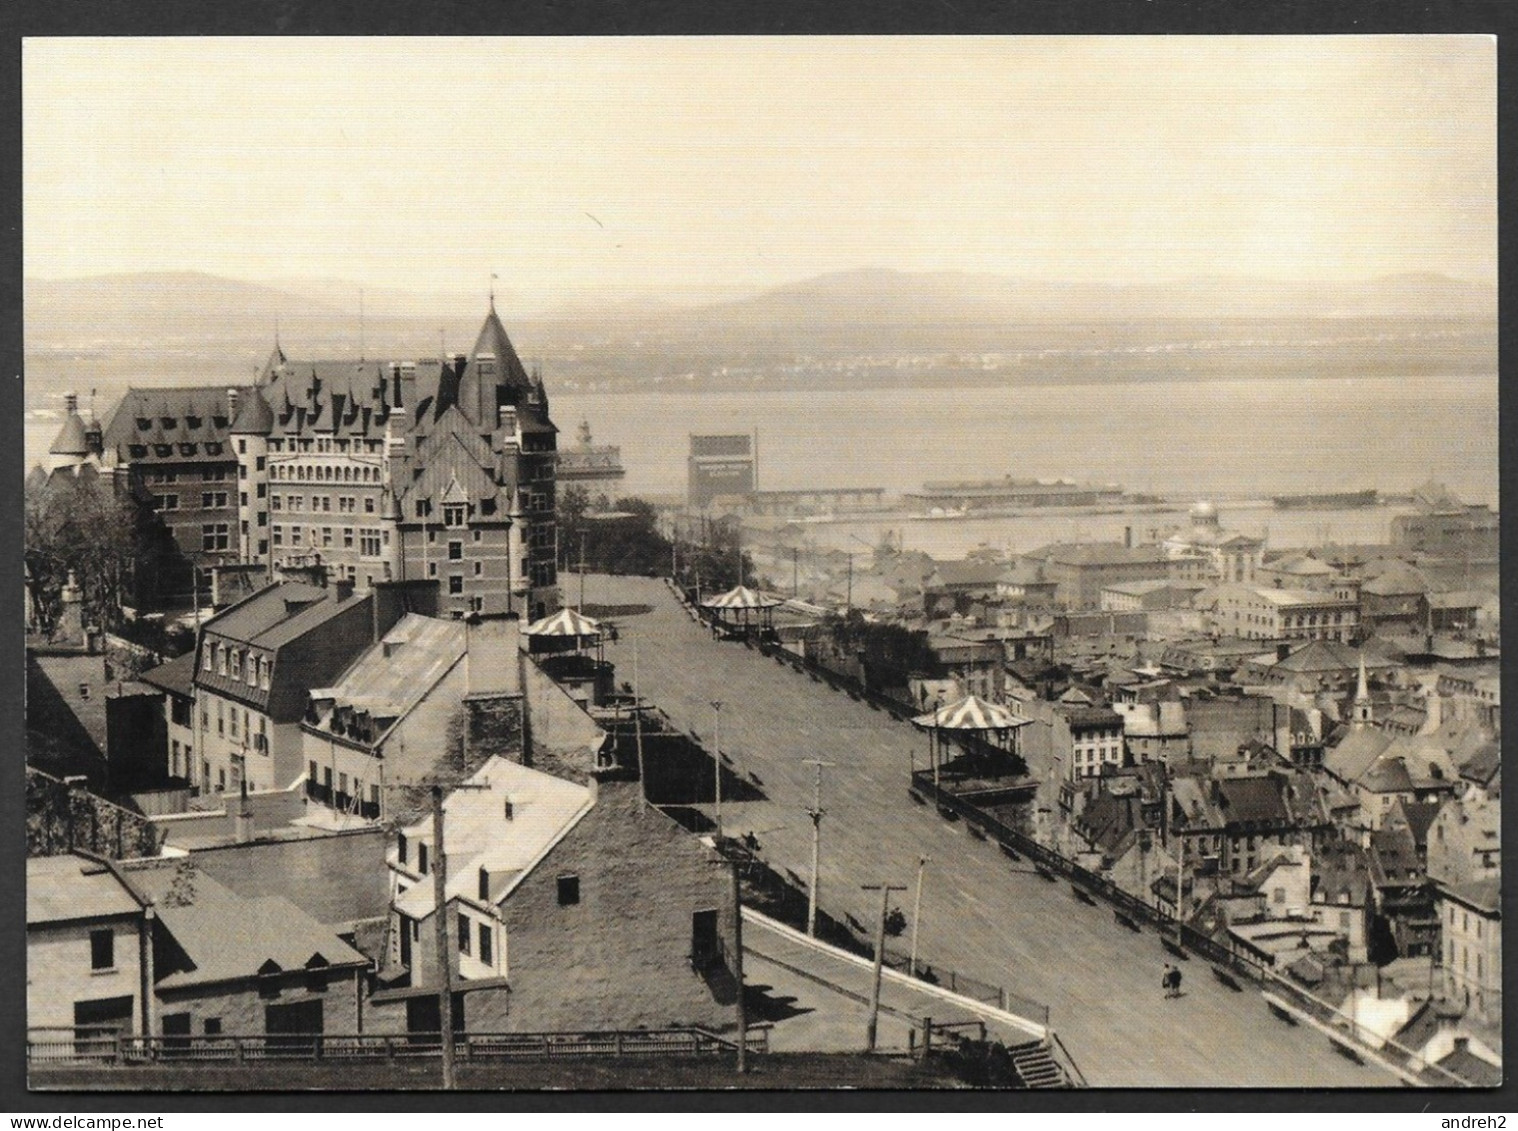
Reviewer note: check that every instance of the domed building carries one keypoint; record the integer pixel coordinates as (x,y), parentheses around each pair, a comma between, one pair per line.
(1207,552)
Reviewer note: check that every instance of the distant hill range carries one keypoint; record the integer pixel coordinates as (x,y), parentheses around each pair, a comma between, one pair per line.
(852,311)
(875,298)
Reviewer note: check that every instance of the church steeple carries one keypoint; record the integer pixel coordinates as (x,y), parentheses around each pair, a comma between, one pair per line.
(1363,714)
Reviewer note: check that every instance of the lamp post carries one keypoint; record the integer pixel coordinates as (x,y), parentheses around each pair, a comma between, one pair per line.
(717,757)
(922,862)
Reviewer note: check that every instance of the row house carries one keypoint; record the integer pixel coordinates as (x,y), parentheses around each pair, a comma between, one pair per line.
(1096,741)
(1230,825)
(428,689)
(255,663)
(160,948)
(1260,613)
(1470,919)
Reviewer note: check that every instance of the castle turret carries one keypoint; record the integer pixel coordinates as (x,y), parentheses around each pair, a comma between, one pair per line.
(72,446)
(252,421)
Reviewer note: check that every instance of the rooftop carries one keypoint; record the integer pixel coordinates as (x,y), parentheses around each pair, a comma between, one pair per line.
(225,936)
(484,833)
(64,888)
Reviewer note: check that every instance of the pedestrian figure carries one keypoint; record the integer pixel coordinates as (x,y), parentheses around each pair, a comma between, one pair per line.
(1175,982)
(1165,979)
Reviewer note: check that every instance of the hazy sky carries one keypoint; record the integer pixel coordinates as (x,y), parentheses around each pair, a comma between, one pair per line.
(560,163)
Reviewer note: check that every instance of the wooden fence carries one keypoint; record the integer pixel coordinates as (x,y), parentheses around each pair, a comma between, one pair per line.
(104,1046)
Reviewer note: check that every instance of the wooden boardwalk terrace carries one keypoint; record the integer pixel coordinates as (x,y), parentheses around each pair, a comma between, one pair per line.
(984,915)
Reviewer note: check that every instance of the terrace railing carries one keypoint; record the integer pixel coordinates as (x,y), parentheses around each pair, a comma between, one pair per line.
(67,1047)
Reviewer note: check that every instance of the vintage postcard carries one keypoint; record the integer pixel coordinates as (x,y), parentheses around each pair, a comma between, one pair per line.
(792,563)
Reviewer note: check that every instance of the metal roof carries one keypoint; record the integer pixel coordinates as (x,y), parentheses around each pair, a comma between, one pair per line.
(64,888)
(230,937)
(481,834)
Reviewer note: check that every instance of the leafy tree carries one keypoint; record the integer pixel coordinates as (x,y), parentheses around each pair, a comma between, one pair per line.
(80,524)
(892,654)
(712,562)
(621,537)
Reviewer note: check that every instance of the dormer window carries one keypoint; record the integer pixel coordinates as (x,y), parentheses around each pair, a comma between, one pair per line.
(192,422)
(144,423)
(213,449)
(455,514)
(187,449)
(138,450)
(163,449)
(168,422)
(219,420)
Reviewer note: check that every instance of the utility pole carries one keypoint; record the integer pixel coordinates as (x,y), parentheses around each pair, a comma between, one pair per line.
(728,856)
(444,954)
(922,862)
(581,607)
(638,732)
(440,911)
(816,813)
(738,969)
(871,1025)
(795,572)
(717,757)
(935,746)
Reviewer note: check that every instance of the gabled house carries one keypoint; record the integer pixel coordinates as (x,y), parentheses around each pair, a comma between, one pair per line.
(1465,841)
(1341,895)
(87,948)
(1404,898)
(569,906)
(226,963)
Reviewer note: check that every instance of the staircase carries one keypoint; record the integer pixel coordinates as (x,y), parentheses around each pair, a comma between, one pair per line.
(1036,1065)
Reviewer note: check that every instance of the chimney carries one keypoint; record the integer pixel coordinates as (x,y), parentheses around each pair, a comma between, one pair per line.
(458,362)
(231,404)
(344,588)
(491,661)
(1462,1045)
(1282,651)
(70,404)
(1128,537)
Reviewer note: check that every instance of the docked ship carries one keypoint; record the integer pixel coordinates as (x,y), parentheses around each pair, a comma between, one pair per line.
(1332,500)
(982,497)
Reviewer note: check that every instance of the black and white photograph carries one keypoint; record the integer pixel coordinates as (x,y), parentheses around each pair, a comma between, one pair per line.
(882,562)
